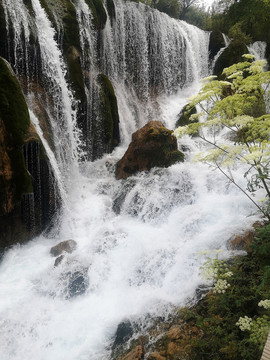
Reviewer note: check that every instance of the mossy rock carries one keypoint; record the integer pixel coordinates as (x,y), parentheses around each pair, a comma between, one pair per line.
(99,13)
(184,116)
(109,112)
(13,108)
(267,52)
(63,11)
(231,55)
(152,146)
(110,9)
(15,181)
(28,4)
(216,42)
(15,122)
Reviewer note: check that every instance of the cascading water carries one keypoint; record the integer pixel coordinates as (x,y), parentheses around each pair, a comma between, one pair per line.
(138,240)
(146,53)
(258,49)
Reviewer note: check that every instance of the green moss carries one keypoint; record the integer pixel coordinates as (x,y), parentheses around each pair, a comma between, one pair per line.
(184,116)
(13,108)
(15,117)
(98,12)
(49,11)
(109,111)
(65,12)
(29,6)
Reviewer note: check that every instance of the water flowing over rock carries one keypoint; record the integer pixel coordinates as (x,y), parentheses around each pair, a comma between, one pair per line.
(65,246)
(92,73)
(152,145)
(28,197)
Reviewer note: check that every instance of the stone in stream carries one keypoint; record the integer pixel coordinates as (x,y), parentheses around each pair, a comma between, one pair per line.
(67,246)
(152,145)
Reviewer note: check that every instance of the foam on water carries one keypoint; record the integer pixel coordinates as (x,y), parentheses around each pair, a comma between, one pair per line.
(138,239)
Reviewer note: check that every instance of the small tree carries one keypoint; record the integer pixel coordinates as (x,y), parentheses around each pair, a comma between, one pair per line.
(236,103)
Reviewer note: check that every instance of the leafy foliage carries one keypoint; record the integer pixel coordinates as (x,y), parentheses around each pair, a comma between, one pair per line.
(237,104)
(234,323)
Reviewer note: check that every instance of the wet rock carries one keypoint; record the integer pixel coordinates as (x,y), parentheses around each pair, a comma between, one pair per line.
(216,42)
(231,55)
(242,242)
(77,283)
(58,260)
(67,246)
(123,333)
(184,116)
(152,146)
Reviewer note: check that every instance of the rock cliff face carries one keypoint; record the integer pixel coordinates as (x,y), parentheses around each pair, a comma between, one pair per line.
(27,197)
(152,145)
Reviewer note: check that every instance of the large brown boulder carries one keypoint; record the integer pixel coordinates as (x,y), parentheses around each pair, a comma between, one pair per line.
(152,145)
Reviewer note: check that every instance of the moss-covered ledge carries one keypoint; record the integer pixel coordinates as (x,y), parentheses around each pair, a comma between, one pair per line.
(15,122)
(109,112)
(64,12)
(15,180)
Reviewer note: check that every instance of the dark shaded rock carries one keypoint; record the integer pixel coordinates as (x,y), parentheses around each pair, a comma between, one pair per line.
(58,260)
(4,35)
(98,13)
(231,55)
(67,246)
(185,114)
(152,145)
(123,333)
(216,42)
(15,181)
(121,196)
(109,113)
(77,283)
(111,9)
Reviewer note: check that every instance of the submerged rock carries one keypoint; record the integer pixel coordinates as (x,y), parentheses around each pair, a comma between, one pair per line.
(67,246)
(58,260)
(77,283)
(152,145)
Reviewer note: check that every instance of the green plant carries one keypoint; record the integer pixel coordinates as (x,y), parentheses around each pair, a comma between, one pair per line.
(237,104)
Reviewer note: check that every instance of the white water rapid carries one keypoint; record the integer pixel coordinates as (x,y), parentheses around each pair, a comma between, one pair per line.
(138,240)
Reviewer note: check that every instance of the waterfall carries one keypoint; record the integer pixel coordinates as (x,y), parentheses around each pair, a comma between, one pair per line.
(138,240)
(258,49)
(146,53)
(227,43)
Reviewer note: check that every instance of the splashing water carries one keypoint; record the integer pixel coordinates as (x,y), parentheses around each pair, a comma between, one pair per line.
(137,239)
